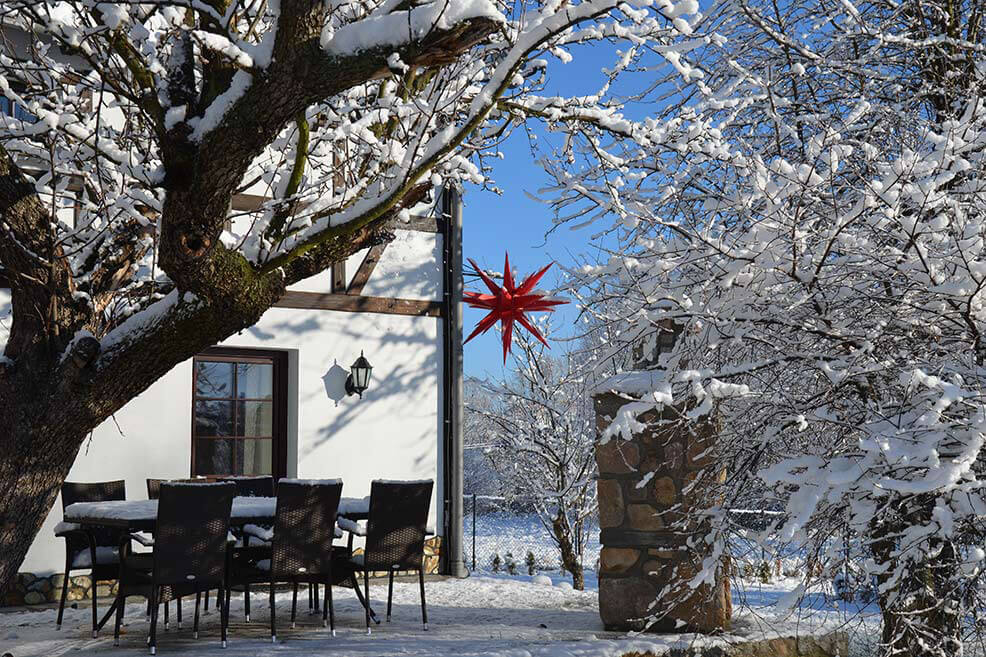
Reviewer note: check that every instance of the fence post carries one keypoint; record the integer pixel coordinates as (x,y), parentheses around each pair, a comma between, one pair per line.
(474,532)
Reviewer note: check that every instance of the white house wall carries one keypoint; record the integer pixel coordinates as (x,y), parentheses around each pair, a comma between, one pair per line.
(393,432)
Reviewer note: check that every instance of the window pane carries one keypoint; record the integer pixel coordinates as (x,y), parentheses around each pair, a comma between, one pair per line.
(214,457)
(213,379)
(254,419)
(255,380)
(213,418)
(255,457)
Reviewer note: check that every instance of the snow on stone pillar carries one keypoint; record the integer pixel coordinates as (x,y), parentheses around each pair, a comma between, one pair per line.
(651,494)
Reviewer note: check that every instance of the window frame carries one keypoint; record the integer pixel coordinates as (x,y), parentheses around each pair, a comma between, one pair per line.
(279,390)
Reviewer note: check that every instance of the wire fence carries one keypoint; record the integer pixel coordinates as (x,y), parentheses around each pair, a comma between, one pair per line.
(504,535)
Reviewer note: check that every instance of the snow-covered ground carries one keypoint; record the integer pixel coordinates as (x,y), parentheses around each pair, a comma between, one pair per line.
(494,617)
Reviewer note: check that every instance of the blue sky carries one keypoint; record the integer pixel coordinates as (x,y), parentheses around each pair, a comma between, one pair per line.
(516,223)
(513,222)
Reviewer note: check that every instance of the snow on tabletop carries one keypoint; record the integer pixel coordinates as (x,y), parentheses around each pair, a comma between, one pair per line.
(472,617)
(310,482)
(144,510)
(403,481)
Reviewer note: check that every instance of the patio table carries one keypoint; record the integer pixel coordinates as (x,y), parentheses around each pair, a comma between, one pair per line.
(141,516)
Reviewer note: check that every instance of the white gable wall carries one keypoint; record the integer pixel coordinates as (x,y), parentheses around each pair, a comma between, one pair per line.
(393,432)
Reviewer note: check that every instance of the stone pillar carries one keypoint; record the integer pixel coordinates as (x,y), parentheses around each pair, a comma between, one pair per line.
(651,493)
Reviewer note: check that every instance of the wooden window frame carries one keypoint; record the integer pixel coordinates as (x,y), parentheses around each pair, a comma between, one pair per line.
(279,421)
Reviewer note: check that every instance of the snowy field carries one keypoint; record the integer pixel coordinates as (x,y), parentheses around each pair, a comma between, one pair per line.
(494,617)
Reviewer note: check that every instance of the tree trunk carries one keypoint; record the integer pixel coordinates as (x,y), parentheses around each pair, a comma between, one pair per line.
(922,613)
(37,458)
(569,558)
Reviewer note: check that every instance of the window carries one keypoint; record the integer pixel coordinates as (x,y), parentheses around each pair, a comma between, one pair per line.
(239,410)
(16,110)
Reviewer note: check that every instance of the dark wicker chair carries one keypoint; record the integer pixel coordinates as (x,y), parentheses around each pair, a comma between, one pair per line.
(190,552)
(249,486)
(395,537)
(153,493)
(154,488)
(97,549)
(299,547)
(252,486)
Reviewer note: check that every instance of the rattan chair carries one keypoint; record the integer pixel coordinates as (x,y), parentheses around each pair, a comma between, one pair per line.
(190,553)
(96,549)
(249,486)
(252,486)
(153,493)
(395,537)
(300,545)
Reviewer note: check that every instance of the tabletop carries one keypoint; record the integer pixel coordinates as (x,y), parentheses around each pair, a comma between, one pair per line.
(142,514)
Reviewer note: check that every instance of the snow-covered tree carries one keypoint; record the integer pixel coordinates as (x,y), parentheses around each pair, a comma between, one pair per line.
(539,431)
(808,209)
(130,127)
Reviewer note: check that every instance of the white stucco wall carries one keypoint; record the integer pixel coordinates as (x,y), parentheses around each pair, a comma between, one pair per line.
(393,432)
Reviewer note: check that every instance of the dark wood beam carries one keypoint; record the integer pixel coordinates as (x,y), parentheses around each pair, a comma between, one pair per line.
(358,304)
(366,268)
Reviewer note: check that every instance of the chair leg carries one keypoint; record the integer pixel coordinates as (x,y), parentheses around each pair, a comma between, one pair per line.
(121,601)
(294,603)
(224,615)
(273,615)
(195,623)
(95,617)
(328,605)
(390,593)
(315,606)
(311,598)
(178,615)
(359,596)
(167,611)
(246,601)
(366,594)
(152,636)
(424,610)
(61,604)
(206,610)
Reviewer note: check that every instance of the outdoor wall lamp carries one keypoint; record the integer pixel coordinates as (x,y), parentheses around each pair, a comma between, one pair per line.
(359,376)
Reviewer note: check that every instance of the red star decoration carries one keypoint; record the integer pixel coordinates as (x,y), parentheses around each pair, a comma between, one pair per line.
(508,304)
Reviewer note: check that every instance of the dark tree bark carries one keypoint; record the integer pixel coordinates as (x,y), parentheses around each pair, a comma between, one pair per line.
(569,557)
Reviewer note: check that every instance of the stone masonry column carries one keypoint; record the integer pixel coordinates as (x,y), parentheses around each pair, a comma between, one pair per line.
(650,496)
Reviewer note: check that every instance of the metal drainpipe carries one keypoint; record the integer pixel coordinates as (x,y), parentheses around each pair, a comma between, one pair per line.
(452,339)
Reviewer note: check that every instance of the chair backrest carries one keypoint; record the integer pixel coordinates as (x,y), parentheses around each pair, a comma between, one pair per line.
(304,527)
(252,486)
(395,532)
(191,531)
(154,488)
(100,491)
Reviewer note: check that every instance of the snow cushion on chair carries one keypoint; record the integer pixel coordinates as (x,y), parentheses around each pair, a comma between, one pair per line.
(351,526)
(266,534)
(263,564)
(143,538)
(104,556)
(66,527)
(356,559)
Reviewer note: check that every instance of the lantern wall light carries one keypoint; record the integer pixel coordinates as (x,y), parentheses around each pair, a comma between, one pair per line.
(359,376)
